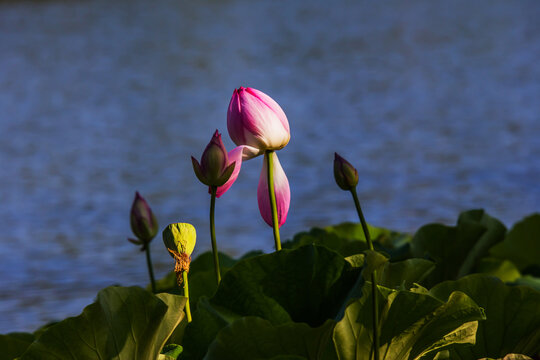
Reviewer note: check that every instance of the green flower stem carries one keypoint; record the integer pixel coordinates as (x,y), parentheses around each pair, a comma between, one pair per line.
(373,278)
(150,269)
(272,194)
(186,294)
(213,190)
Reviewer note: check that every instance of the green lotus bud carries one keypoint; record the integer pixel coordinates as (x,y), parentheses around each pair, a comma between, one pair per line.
(345,174)
(180,238)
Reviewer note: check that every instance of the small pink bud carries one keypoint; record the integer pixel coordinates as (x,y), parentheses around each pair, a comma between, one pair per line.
(281,188)
(143,222)
(254,119)
(345,174)
(214,169)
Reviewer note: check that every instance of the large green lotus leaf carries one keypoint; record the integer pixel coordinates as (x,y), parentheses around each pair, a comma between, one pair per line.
(201,277)
(202,283)
(256,338)
(522,243)
(14,344)
(348,239)
(511,357)
(403,274)
(123,323)
(456,250)
(388,240)
(513,317)
(503,269)
(344,246)
(308,285)
(529,281)
(400,275)
(203,263)
(411,325)
(207,322)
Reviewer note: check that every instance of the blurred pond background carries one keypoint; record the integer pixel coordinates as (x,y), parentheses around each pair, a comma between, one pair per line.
(436,103)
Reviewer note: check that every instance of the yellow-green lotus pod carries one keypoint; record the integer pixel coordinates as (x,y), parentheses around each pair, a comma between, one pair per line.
(180,237)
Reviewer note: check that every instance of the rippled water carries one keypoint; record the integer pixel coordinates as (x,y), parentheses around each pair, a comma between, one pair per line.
(436,103)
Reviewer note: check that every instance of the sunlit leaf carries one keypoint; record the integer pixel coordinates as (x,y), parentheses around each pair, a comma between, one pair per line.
(513,317)
(123,323)
(503,269)
(411,325)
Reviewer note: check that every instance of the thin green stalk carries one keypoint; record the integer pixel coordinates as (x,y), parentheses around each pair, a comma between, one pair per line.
(272,194)
(375,311)
(186,294)
(150,269)
(213,233)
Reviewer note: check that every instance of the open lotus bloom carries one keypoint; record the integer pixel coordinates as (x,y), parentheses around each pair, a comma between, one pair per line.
(254,119)
(215,168)
(281,188)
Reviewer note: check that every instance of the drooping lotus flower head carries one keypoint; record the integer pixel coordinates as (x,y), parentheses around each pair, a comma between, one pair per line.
(254,119)
(143,222)
(214,169)
(345,174)
(282,190)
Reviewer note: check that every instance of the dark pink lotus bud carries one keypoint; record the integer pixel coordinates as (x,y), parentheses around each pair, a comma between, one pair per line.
(235,157)
(214,169)
(254,119)
(143,222)
(345,174)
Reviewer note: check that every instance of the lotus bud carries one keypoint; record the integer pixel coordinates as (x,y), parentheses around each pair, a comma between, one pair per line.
(143,222)
(214,169)
(235,157)
(345,174)
(254,119)
(281,188)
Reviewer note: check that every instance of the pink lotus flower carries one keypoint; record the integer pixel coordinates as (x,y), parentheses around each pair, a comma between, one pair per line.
(254,119)
(281,188)
(215,168)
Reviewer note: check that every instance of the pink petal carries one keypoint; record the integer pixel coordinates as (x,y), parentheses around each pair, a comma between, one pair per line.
(281,188)
(272,104)
(235,155)
(234,119)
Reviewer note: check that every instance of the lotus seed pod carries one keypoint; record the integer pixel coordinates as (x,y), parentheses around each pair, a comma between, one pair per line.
(180,237)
